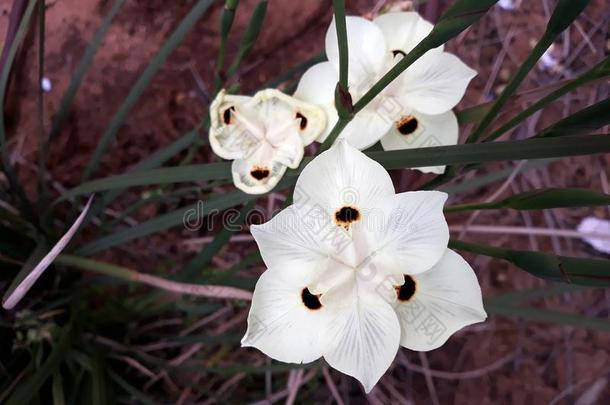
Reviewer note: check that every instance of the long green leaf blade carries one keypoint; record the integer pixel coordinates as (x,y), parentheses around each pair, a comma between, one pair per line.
(145,78)
(542,199)
(573,270)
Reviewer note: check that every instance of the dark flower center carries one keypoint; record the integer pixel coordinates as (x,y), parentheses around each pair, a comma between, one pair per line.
(346,215)
(407,125)
(259,173)
(406,291)
(303,123)
(226,115)
(309,300)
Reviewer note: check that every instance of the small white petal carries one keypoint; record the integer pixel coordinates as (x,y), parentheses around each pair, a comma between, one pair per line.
(279,323)
(260,172)
(412,129)
(367,51)
(596,226)
(447,298)
(403,30)
(413,235)
(317,86)
(435,83)
(365,129)
(230,138)
(343,176)
(283,115)
(298,239)
(362,339)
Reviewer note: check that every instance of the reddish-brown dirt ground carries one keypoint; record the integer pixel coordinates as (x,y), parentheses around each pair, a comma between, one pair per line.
(500,361)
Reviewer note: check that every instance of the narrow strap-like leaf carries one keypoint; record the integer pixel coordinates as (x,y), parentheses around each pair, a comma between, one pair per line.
(585,121)
(580,271)
(565,12)
(250,37)
(145,78)
(542,199)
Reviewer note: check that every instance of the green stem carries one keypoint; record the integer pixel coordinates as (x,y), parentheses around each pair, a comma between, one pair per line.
(226,22)
(545,42)
(597,72)
(339,11)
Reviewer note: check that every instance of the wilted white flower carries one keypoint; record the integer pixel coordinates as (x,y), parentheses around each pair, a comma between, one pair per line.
(263,134)
(415,109)
(356,270)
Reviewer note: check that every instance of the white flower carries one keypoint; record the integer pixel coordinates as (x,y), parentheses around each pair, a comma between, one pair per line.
(263,134)
(415,109)
(355,271)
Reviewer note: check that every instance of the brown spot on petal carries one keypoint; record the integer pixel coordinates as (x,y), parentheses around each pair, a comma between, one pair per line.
(407,124)
(344,216)
(309,300)
(226,115)
(397,52)
(259,173)
(303,123)
(406,291)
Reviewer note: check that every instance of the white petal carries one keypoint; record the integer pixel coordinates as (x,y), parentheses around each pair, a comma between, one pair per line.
(24,285)
(279,324)
(365,129)
(403,30)
(317,86)
(283,115)
(410,236)
(447,298)
(259,172)
(362,339)
(435,83)
(343,176)
(367,51)
(428,131)
(296,240)
(229,137)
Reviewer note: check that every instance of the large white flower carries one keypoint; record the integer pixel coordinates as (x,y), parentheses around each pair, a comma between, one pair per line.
(356,270)
(415,109)
(263,134)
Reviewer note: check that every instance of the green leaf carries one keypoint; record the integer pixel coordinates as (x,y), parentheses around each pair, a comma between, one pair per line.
(5,71)
(226,22)
(599,71)
(434,156)
(166,221)
(584,121)
(81,70)
(203,258)
(249,38)
(548,316)
(28,389)
(542,199)
(154,160)
(58,390)
(565,12)
(166,175)
(130,389)
(145,78)
(494,151)
(494,176)
(573,270)
(530,294)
